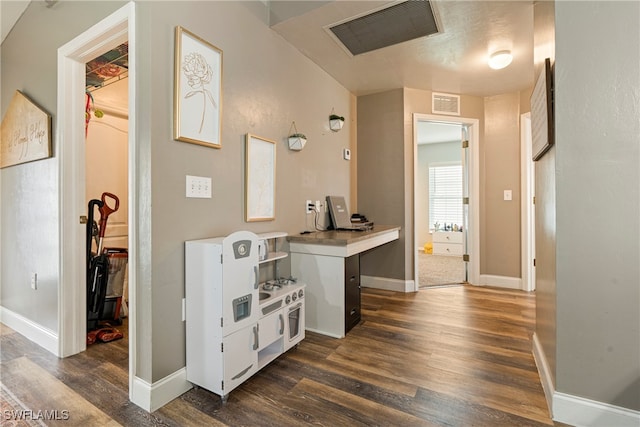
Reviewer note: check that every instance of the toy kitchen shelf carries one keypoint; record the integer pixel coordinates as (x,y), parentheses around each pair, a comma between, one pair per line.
(275,255)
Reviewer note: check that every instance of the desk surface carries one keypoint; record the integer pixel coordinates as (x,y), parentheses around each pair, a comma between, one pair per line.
(341,238)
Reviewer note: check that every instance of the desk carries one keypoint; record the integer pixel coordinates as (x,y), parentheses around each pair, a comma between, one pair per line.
(328,263)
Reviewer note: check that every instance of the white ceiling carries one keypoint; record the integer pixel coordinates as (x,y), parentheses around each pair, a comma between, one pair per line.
(454,61)
(10,12)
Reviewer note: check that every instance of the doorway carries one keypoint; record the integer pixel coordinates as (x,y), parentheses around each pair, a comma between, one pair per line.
(106,166)
(116,29)
(439,208)
(461,159)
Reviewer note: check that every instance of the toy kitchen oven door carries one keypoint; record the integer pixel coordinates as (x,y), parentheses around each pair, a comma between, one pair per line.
(294,319)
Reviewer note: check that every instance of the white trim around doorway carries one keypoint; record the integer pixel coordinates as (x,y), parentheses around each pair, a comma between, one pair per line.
(115,29)
(473,232)
(527,218)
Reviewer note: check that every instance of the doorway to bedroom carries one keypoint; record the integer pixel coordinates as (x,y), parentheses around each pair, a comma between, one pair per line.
(440,216)
(445,200)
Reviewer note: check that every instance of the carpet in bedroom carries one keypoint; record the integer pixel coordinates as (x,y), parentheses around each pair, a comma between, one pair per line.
(439,269)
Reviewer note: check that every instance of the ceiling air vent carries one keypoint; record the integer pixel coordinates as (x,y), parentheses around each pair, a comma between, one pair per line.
(398,23)
(443,103)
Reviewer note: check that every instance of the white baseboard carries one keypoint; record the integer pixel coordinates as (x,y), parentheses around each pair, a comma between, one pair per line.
(387,283)
(151,397)
(545,372)
(44,337)
(580,412)
(501,281)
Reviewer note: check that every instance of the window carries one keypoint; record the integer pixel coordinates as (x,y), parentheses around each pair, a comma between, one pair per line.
(445,195)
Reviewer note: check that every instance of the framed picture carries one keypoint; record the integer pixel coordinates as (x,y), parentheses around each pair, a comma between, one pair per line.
(542,123)
(260,179)
(26,132)
(197,90)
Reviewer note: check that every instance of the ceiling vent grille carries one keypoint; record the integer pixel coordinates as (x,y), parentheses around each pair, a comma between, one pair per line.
(398,23)
(444,103)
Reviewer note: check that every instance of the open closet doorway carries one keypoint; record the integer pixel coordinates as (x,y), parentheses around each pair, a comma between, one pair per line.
(113,31)
(106,181)
(445,200)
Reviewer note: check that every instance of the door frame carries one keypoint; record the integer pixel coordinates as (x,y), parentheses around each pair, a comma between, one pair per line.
(72,57)
(473,231)
(527,183)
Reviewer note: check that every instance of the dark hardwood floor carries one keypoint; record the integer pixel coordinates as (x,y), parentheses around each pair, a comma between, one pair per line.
(447,356)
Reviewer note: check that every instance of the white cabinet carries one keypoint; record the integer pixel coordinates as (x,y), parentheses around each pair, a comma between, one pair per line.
(222,310)
(320,260)
(270,334)
(448,243)
(231,334)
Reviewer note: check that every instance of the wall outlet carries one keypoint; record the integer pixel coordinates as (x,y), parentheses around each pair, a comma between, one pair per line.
(346,154)
(34,281)
(198,187)
(308,206)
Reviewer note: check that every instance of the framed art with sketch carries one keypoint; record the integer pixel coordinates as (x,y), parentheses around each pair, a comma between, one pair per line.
(197,90)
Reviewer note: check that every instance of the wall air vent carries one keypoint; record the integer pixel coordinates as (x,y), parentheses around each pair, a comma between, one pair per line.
(398,23)
(444,103)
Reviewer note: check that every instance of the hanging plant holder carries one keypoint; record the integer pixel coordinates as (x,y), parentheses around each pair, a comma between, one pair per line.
(297,140)
(336,122)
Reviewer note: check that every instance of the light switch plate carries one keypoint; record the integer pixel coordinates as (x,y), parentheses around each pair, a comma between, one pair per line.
(508,195)
(346,154)
(198,187)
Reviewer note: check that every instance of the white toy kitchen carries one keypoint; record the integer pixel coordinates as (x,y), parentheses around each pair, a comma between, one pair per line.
(236,325)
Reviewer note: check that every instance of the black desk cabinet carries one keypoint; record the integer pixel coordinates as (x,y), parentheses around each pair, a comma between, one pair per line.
(351,292)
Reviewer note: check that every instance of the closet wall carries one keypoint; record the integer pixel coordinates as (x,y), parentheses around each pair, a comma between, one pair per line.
(107,157)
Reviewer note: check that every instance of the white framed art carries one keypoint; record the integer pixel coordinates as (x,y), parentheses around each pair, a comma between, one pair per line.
(260,179)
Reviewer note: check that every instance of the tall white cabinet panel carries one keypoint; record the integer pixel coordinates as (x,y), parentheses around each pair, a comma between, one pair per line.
(222,310)
(324,300)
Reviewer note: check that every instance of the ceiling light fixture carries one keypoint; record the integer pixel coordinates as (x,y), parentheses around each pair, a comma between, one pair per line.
(500,59)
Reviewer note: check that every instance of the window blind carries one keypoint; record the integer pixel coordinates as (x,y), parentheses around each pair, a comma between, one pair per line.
(445,195)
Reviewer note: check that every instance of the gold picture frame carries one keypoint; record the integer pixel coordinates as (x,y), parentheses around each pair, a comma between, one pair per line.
(260,179)
(25,132)
(197,90)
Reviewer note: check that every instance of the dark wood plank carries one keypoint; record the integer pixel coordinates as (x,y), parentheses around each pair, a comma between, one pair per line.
(444,356)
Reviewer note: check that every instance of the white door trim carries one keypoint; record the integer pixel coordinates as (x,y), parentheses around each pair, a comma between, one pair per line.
(72,57)
(527,219)
(473,233)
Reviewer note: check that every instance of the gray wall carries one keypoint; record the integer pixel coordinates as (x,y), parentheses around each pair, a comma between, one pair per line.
(30,240)
(545,206)
(500,170)
(267,84)
(381,180)
(385,170)
(598,200)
